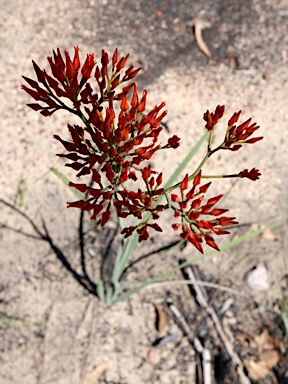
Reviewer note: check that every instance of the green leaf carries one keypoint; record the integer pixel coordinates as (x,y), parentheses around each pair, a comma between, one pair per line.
(186,161)
(64,179)
(100,290)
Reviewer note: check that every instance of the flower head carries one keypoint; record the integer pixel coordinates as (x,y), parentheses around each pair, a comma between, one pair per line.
(192,210)
(213,118)
(253,174)
(236,136)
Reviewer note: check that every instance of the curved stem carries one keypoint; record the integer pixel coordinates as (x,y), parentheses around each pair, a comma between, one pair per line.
(191,177)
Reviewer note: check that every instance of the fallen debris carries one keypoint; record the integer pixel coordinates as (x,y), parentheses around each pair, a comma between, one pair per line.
(198,25)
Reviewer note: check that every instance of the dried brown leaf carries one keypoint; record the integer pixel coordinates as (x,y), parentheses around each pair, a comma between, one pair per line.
(259,369)
(268,352)
(199,39)
(266,342)
(243,339)
(161,321)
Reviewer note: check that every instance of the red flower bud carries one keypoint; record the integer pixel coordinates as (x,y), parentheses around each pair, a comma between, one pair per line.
(173,141)
(254,174)
(142,105)
(81,187)
(69,67)
(184,183)
(214,200)
(212,118)
(156,227)
(159,179)
(39,73)
(105,218)
(121,63)
(104,58)
(146,172)
(210,241)
(175,198)
(115,57)
(76,60)
(115,82)
(197,179)
(134,100)
(234,118)
(88,66)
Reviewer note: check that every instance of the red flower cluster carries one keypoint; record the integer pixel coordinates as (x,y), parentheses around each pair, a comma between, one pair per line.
(190,208)
(212,118)
(254,174)
(235,136)
(117,139)
(66,82)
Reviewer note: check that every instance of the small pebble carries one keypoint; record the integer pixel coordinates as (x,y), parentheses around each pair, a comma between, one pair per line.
(257,278)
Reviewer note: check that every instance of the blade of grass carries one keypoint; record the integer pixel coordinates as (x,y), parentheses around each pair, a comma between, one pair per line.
(121,260)
(100,290)
(185,162)
(228,245)
(64,179)
(150,266)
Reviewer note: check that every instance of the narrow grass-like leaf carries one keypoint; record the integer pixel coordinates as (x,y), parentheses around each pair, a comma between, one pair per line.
(150,266)
(100,290)
(185,162)
(64,179)
(117,268)
(109,296)
(126,255)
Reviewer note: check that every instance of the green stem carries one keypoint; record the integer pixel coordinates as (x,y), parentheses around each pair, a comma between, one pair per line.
(210,141)
(218,176)
(191,177)
(168,199)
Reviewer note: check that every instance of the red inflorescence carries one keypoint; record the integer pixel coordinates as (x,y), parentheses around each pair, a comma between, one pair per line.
(117,139)
(192,209)
(253,174)
(236,136)
(212,118)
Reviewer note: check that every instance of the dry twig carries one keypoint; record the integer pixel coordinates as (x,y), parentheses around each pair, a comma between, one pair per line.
(201,298)
(195,342)
(198,25)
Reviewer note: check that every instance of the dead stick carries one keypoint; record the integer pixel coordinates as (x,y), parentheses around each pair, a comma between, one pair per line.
(200,297)
(194,341)
(199,25)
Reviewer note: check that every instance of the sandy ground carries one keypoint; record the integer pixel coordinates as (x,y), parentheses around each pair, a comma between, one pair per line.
(51,329)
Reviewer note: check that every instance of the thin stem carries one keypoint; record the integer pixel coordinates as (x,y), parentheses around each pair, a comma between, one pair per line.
(168,199)
(61,104)
(210,141)
(218,176)
(191,177)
